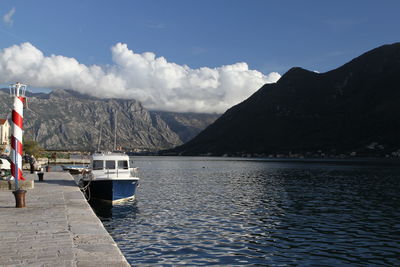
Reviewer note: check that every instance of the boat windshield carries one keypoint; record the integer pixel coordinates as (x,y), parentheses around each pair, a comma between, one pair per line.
(98,165)
(110,164)
(123,164)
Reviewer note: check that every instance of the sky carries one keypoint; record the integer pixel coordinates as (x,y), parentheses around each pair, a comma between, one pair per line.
(183,55)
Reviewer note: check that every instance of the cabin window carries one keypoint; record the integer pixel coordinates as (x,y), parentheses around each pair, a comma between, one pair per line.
(98,165)
(122,164)
(110,164)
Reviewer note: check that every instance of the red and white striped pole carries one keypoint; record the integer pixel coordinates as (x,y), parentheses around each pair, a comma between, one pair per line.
(18,92)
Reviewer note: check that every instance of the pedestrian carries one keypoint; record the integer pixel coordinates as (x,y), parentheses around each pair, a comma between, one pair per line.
(32,162)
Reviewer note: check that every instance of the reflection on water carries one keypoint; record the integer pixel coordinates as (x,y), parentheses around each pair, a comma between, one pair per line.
(106,211)
(201,211)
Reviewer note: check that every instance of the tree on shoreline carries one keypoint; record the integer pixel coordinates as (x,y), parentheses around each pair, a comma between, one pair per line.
(32,148)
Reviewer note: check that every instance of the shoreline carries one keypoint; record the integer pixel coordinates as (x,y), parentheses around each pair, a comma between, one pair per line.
(329,160)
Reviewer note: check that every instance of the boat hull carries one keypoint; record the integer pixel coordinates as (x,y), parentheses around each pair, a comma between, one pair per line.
(112,190)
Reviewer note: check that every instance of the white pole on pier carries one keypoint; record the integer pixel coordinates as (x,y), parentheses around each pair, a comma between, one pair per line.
(18,92)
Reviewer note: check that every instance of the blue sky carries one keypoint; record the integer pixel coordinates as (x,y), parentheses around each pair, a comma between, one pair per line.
(270,36)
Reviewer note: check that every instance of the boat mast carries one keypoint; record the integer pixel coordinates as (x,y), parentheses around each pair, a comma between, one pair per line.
(115,131)
(98,145)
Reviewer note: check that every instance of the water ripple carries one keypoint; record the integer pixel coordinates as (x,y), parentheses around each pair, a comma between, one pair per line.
(224,212)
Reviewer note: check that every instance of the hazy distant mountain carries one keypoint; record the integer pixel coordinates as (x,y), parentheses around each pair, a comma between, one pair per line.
(186,125)
(355,108)
(65,119)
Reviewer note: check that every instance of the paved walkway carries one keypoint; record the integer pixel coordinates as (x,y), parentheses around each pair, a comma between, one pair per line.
(57,228)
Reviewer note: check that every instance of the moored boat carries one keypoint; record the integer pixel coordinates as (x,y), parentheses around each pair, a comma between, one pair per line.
(75,169)
(110,177)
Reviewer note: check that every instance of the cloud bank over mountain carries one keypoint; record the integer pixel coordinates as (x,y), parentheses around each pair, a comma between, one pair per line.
(157,83)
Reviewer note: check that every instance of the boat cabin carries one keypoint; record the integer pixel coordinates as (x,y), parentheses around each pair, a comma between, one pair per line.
(111,166)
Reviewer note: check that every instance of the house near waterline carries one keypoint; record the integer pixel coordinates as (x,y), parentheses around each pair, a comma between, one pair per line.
(4,136)
(4,131)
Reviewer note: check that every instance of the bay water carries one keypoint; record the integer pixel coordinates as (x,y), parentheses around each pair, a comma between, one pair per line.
(198,211)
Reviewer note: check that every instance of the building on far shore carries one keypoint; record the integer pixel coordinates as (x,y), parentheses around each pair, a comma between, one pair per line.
(4,132)
(4,136)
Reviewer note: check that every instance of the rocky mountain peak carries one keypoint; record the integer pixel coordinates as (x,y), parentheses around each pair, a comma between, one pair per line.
(66,119)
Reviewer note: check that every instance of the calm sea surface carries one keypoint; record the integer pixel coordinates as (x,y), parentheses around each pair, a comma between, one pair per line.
(205,211)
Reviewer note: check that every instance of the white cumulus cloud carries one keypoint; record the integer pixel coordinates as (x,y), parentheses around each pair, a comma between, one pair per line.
(8,18)
(157,83)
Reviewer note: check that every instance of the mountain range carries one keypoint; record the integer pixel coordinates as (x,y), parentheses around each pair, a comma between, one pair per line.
(351,110)
(68,120)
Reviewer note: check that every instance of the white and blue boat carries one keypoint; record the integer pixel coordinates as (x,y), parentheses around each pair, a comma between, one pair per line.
(110,178)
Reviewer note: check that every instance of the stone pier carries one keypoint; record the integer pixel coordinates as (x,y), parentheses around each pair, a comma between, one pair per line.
(56,228)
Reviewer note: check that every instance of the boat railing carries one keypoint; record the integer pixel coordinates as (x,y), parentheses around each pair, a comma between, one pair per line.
(111,173)
(117,173)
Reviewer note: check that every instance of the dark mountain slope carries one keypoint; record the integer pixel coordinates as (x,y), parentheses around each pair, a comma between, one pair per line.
(343,110)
